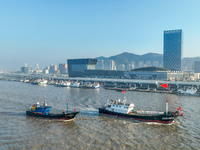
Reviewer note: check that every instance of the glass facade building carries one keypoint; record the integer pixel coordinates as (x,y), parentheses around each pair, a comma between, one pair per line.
(77,67)
(197,66)
(24,70)
(172,58)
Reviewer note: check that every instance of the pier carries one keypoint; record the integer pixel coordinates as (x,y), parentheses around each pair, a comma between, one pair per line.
(110,83)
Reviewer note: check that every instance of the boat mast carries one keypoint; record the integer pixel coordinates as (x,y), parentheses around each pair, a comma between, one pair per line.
(67,105)
(167,105)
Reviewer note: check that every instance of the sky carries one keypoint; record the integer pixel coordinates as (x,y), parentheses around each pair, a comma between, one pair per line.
(51,31)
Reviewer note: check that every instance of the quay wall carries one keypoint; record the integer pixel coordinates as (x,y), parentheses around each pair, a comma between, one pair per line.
(109,82)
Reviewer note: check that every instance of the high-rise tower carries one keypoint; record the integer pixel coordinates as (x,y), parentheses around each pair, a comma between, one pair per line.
(172,58)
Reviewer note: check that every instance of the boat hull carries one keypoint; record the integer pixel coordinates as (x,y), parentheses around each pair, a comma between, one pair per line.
(163,119)
(99,87)
(63,116)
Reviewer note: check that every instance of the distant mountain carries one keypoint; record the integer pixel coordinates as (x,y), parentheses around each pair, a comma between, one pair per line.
(188,62)
(191,59)
(128,58)
(152,57)
(124,58)
(101,58)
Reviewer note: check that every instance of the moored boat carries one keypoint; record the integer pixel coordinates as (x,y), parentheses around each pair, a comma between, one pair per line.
(43,111)
(75,84)
(187,91)
(63,84)
(126,110)
(43,82)
(96,86)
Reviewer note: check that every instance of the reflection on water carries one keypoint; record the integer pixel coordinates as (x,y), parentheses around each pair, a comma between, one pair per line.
(90,130)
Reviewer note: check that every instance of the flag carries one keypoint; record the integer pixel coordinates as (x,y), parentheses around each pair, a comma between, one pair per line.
(74,109)
(164,85)
(179,108)
(66,100)
(123,91)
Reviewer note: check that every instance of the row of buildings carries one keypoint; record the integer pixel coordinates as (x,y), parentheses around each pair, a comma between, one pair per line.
(110,65)
(86,68)
(52,69)
(172,63)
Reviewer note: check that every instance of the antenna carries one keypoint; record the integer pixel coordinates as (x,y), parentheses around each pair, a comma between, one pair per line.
(124,99)
(107,99)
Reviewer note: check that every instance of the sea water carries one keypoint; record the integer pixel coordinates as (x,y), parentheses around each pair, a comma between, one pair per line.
(90,130)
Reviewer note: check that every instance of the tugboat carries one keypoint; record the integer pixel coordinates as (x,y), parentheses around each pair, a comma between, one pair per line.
(125,110)
(43,111)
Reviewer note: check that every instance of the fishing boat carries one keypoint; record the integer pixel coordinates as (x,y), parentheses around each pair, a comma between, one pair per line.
(43,111)
(187,91)
(43,82)
(126,110)
(63,84)
(96,86)
(75,84)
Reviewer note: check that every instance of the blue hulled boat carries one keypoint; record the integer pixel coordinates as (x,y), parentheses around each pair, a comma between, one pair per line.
(43,111)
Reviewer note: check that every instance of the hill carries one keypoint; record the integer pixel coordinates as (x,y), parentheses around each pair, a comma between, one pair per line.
(129,58)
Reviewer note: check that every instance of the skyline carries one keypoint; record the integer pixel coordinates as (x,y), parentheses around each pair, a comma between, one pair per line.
(50,32)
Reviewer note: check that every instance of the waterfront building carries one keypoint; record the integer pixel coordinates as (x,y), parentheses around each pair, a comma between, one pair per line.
(63,68)
(53,69)
(146,73)
(77,67)
(156,64)
(100,64)
(109,65)
(148,63)
(24,70)
(37,67)
(114,74)
(37,71)
(46,70)
(173,57)
(121,67)
(140,64)
(130,67)
(197,66)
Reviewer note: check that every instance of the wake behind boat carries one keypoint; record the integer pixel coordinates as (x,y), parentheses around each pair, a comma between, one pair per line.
(126,110)
(43,111)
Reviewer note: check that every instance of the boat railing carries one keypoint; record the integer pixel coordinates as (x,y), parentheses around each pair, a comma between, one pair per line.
(150,112)
(120,103)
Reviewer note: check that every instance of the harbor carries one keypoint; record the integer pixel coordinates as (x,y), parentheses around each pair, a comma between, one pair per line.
(153,86)
(89,130)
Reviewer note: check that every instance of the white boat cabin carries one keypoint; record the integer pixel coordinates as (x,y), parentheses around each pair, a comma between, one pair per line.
(120,107)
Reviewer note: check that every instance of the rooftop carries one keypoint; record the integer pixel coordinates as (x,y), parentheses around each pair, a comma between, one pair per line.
(151,69)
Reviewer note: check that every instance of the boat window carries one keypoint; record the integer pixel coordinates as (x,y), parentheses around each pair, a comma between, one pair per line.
(116,105)
(113,105)
(120,106)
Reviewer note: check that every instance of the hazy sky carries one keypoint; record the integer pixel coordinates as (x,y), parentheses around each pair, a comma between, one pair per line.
(51,31)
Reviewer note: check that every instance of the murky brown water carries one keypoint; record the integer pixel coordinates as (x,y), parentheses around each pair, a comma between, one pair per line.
(89,130)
